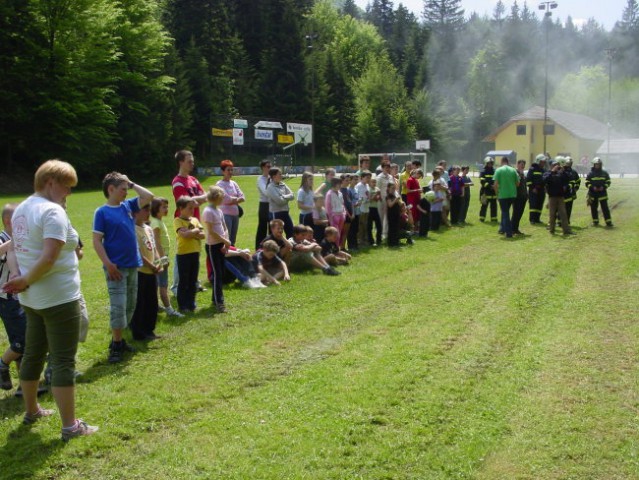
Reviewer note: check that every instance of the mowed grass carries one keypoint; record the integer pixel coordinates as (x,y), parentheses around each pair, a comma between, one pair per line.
(464,356)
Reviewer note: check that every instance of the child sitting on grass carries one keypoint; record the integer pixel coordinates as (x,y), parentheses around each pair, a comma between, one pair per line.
(277,235)
(269,265)
(239,264)
(189,243)
(331,252)
(307,254)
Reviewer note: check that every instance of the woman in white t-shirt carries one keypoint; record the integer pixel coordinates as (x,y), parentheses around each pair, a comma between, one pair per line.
(305,199)
(49,288)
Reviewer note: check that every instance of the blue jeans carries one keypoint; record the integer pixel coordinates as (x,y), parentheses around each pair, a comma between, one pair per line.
(506,224)
(122,295)
(15,323)
(232,224)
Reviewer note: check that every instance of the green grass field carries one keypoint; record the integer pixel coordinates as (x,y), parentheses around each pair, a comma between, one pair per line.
(464,356)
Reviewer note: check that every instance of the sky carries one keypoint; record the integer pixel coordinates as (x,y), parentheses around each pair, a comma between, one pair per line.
(606,12)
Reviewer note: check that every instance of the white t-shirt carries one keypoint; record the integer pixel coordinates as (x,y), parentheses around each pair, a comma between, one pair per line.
(215,217)
(306,197)
(364,194)
(35,220)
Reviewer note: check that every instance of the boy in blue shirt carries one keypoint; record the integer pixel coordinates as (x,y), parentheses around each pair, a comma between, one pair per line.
(116,244)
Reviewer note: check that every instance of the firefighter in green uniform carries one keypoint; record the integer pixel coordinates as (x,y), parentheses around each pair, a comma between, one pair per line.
(487,191)
(597,183)
(574,181)
(536,189)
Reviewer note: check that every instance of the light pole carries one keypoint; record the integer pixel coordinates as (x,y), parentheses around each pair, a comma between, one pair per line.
(547,7)
(610,54)
(309,46)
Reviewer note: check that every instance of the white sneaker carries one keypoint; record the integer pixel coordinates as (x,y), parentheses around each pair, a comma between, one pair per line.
(255,281)
(173,313)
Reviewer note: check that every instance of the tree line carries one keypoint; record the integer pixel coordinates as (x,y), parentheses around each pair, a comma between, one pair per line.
(110,84)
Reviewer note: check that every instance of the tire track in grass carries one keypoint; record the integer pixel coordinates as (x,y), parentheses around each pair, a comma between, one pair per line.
(579,419)
(450,399)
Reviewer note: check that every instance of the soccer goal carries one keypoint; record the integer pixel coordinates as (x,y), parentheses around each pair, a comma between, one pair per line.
(398,158)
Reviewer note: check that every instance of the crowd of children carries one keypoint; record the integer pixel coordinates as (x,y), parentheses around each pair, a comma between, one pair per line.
(345,213)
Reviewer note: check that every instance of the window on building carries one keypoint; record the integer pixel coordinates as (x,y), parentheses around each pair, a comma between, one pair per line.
(521,129)
(549,129)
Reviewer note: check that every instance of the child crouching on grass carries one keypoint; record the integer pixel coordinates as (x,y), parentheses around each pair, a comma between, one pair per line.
(331,252)
(217,243)
(189,239)
(307,254)
(269,265)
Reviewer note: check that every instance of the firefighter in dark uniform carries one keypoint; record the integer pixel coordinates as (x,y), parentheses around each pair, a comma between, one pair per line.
(487,191)
(536,189)
(597,183)
(574,181)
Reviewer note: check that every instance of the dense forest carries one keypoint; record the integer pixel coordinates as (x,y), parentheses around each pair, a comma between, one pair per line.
(111,84)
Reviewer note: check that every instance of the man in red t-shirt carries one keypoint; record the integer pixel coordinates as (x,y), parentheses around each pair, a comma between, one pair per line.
(185,184)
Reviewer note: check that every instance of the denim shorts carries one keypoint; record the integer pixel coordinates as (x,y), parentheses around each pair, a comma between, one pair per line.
(15,323)
(123,296)
(163,278)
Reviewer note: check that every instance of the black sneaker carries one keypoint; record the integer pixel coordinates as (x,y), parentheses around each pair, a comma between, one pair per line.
(331,271)
(115,352)
(220,309)
(5,379)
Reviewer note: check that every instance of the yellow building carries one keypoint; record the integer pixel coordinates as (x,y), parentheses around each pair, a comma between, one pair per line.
(566,134)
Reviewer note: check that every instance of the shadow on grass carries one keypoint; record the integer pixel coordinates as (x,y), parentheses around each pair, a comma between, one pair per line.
(102,368)
(29,452)
(10,405)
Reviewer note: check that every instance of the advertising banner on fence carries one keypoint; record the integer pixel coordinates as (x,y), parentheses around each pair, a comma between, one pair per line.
(238,136)
(286,139)
(263,134)
(303,132)
(218,132)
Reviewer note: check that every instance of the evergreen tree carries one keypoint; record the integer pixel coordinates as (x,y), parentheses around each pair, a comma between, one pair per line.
(443,16)
(498,12)
(283,95)
(351,8)
(630,16)
(381,15)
